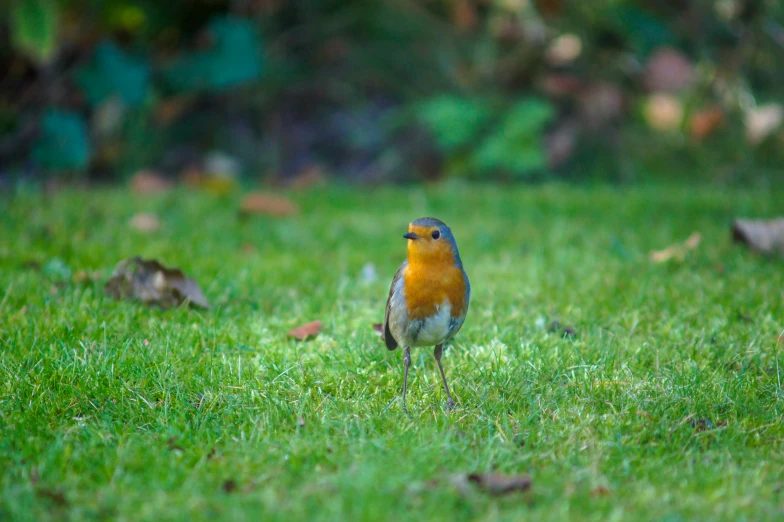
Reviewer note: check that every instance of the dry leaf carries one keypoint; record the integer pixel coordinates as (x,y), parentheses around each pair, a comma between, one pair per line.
(677,251)
(148,281)
(260,203)
(600,491)
(763,236)
(705,121)
(306,330)
(497,484)
(149,182)
(144,222)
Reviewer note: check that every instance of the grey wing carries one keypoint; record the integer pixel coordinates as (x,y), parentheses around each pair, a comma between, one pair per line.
(388,339)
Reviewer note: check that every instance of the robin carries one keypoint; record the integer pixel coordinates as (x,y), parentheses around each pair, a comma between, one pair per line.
(428,299)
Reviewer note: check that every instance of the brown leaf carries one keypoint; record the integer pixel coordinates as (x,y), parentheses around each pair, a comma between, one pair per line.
(763,236)
(149,182)
(669,71)
(148,281)
(600,491)
(497,484)
(705,121)
(230,486)
(677,251)
(306,330)
(260,203)
(144,222)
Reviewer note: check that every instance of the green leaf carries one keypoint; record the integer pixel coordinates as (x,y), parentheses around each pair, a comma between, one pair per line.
(516,146)
(34,29)
(63,143)
(235,59)
(454,121)
(113,73)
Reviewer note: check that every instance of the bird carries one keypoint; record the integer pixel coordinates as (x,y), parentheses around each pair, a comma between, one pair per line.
(429,296)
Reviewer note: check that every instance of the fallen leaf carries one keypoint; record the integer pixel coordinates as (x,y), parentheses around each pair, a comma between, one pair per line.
(762,121)
(230,486)
(149,182)
(669,70)
(144,222)
(306,330)
(600,491)
(497,484)
(260,203)
(148,281)
(677,251)
(760,235)
(705,121)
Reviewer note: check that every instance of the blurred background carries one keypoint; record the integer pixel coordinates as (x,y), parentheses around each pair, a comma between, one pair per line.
(292,93)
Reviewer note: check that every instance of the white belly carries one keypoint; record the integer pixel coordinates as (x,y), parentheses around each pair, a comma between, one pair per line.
(435,328)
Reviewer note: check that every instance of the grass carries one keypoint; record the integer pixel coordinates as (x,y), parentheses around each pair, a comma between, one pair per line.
(666,405)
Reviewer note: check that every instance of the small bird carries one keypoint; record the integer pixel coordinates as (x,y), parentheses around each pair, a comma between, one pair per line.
(429,296)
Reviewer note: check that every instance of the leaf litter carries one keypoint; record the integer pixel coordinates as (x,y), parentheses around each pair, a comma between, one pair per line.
(148,281)
(310,329)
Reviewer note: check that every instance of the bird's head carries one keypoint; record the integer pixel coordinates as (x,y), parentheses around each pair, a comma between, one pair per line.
(431,241)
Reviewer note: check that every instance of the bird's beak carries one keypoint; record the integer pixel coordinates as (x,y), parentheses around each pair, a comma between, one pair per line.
(410,235)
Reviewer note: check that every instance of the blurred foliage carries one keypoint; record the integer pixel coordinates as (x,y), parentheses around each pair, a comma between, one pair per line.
(394,90)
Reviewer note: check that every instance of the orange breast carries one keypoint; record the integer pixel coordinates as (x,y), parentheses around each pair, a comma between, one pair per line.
(428,286)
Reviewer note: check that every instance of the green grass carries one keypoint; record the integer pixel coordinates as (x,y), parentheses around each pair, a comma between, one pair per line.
(111,410)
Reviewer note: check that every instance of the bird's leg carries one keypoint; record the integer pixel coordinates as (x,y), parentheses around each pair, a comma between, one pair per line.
(437,353)
(406,363)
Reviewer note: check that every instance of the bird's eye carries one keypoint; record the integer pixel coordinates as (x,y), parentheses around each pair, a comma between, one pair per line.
(436,234)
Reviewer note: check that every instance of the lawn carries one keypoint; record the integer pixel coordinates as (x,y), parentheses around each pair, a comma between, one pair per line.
(665,404)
